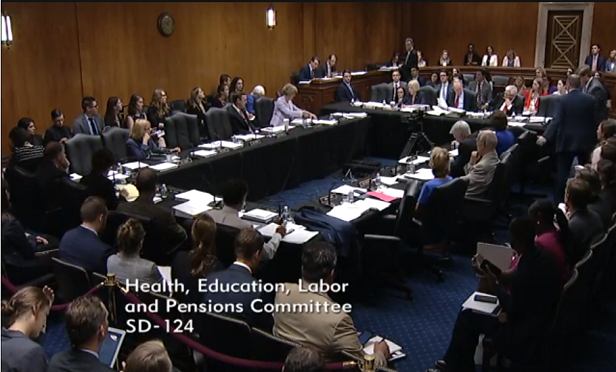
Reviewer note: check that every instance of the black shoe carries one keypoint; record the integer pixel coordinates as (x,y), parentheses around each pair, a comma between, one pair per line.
(441,365)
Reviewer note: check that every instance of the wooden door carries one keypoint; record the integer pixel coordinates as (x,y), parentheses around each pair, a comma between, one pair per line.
(563,38)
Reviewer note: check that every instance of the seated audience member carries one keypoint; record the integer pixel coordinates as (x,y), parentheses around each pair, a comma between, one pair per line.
(415,96)
(520,85)
(553,236)
(196,106)
(57,132)
(257,92)
(113,111)
(29,125)
(140,144)
(610,65)
(395,60)
(481,167)
(25,154)
(527,308)
(190,266)
(471,58)
(595,203)
(328,332)
(329,68)
(415,76)
(234,198)
(86,324)
(444,87)
(607,175)
(97,182)
(483,89)
(144,206)
(284,108)
(439,162)
(310,71)
(401,97)
(150,356)
(82,246)
(224,79)
(240,122)
(506,139)
(444,60)
(585,225)
(248,245)
(54,165)
(222,96)
(511,59)
(90,121)
(460,98)
(159,109)
(346,92)
(608,150)
(490,58)
(27,312)
(531,96)
(433,80)
(421,61)
(19,248)
(127,264)
(304,359)
(394,85)
(134,111)
(456,73)
(466,144)
(237,85)
(546,85)
(561,87)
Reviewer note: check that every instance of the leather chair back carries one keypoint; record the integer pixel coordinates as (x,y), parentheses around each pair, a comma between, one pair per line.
(264,110)
(225,243)
(269,348)
(472,86)
(179,105)
(73,281)
(114,220)
(217,122)
(176,131)
(513,168)
(547,105)
(70,196)
(443,208)
(472,95)
(430,94)
(500,80)
(405,211)
(567,318)
(192,126)
(25,197)
(79,150)
(225,335)
(377,92)
(468,77)
(115,141)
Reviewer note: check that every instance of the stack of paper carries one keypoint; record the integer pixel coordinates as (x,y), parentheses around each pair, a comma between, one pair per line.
(389,181)
(249,137)
(355,115)
(164,166)
(296,234)
(398,194)
(196,195)
(135,165)
(75,177)
(211,146)
(539,119)
(260,215)
(348,212)
(358,73)
(419,160)
(191,208)
(230,145)
(325,122)
(204,153)
(277,129)
(369,347)
(117,177)
(373,204)
(423,174)
(299,121)
(436,111)
(345,189)
(482,307)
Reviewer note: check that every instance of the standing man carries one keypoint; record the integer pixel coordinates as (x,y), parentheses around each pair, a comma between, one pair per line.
(572,131)
(595,60)
(410,58)
(595,88)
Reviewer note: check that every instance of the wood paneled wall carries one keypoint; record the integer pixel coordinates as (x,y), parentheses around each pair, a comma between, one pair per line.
(63,51)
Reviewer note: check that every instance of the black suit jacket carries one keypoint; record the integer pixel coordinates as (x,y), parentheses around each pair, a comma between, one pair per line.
(598,90)
(408,63)
(585,226)
(55,134)
(239,124)
(517,106)
(304,73)
(343,94)
(17,249)
(45,175)
(573,127)
(101,186)
(465,150)
(475,60)
(195,110)
(470,103)
(600,62)
(76,360)
(83,248)
(160,216)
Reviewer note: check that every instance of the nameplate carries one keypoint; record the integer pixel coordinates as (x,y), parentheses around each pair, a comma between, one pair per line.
(253,142)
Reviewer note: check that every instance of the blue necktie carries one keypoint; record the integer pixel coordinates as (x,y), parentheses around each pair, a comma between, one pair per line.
(93,128)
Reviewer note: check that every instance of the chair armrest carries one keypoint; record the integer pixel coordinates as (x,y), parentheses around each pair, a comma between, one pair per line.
(51,252)
(383,238)
(474,200)
(417,222)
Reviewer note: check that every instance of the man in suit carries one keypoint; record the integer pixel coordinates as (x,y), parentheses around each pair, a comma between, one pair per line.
(86,325)
(461,98)
(595,60)
(346,92)
(528,297)
(144,206)
(82,246)
(234,198)
(89,122)
(415,76)
(595,88)
(310,71)
(483,89)
(584,224)
(394,85)
(240,122)
(572,131)
(481,168)
(444,87)
(248,245)
(329,67)
(54,165)
(467,143)
(509,102)
(328,332)
(410,58)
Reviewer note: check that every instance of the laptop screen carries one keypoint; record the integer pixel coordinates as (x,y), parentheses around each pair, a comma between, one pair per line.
(108,353)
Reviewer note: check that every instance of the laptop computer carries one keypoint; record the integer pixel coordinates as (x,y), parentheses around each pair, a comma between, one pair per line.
(108,353)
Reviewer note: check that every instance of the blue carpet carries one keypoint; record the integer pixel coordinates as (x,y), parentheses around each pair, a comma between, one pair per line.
(423,326)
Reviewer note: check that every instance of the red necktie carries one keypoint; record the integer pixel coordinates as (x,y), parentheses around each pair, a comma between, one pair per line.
(457,101)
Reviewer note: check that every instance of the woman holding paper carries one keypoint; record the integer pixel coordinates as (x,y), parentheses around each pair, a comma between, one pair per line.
(284,108)
(140,144)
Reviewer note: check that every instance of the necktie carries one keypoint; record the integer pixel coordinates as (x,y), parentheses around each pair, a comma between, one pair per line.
(93,127)
(406,60)
(395,92)
(594,63)
(479,95)
(457,101)
(311,73)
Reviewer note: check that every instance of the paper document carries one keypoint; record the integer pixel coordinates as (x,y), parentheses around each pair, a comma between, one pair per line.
(369,347)
(325,122)
(299,121)
(249,137)
(440,103)
(358,73)
(304,82)
(164,166)
(157,199)
(204,153)
(135,165)
(330,79)
(345,189)
(165,272)
(563,208)
(481,307)
(270,229)
(278,129)
(515,124)
(230,145)
(300,236)
(381,196)
(117,177)
(348,212)
(423,174)
(389,181)
(75,177)
(260,215)
(419,160)
(196,195)
(398,194)
(211,146)
(373,204)
(499,255)
(454,153)
(191,208)
(538,119)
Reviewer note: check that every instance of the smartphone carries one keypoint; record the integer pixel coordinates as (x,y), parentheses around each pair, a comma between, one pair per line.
(365,337)
(493,268)
(486,299)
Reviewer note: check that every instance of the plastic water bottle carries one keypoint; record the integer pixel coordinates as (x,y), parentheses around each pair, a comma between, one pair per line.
(351,197)
(163,191)
(120,168)
(286,215)
(377,181)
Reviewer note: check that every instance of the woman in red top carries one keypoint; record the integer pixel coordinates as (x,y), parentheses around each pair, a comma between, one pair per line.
(531,96)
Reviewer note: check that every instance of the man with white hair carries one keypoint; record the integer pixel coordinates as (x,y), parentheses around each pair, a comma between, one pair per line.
(466,143)
(482,166)
(461,98)
(508,102)
(257,92)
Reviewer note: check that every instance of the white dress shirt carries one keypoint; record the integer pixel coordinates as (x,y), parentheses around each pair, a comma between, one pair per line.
(443,92)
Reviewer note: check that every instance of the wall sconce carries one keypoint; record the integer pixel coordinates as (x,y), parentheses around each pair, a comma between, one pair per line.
(270,18)
(7,29)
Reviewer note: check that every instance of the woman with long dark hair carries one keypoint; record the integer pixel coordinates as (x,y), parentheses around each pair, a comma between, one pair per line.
(112,113)
(29,125)
(135,111)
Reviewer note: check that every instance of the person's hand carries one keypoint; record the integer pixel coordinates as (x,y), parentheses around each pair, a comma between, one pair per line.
(507,102)
(474,157)
(146,138)
(541,140)
(312,116)
(124,192)
(27,234)
(502,317)
(175,150)
(49,294)
(383,348)
(476,262)
(281,230)
(250,116)
(40,239)
(63,140)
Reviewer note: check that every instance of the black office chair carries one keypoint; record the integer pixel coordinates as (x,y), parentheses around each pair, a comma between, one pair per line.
(264,110)
(114,220)
(115,141)
(472,98)
(500,80)
(430,94)
(227,336)
(585,268)
(179,105)
(378,92)
(268,348)
(547,105)
(158,246)
(22,278)
(225,243)
(218,124)
(65,215)
(176,131)
(468,77)
(79,150)
(73,281)
(192,122)
(26,202)
(295,78)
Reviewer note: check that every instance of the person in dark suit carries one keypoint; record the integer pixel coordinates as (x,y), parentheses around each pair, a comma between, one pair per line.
(594,87)
(409,59)
(607,175)
(467,143)
(415,76)
(527,307)
(596,203)
(196,106)
(584,224)
(310,71)
(572,131)
(595,60)
(82,246)
(57,132)
(394,85)
(144,206)
(509,102)
(444,88)
(471,57)
(329,67)
(97,182)
(90,121)
(461,98)
(238,117)
(86,325)
(346,92)
(54,165)
(248,245)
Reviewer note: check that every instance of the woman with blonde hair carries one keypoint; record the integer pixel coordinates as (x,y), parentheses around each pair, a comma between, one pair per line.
(520,84)
(444,60)
(140,144)
(196,106)
(511,59)
(284,108)
(415,96)
(27,312)
(439,162)
(159,109)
